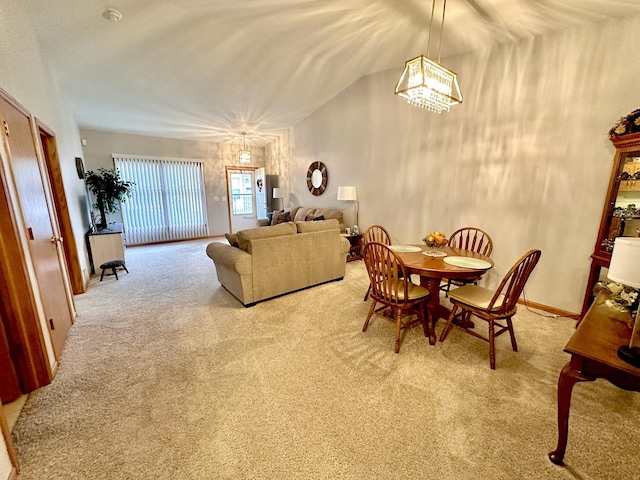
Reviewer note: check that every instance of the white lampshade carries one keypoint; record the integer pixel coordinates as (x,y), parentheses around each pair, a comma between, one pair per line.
(625,262)
(347,193)
(278,192)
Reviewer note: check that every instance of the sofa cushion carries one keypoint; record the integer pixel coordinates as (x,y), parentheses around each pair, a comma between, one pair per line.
(293,211)
(303,213)
(320,225)
(232,238)
(328,213)
(280,217)
(243,236)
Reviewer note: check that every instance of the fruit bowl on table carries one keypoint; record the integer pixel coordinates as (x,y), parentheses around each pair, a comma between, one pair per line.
(434,241)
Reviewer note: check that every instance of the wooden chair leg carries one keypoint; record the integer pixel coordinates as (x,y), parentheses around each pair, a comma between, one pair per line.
(398,329)
(514,345)
(446,293)
(366,322)
(449,324)
(366,295)
(492,345)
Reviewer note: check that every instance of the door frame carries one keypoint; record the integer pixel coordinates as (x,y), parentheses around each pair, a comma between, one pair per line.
(47,144)
(226,179)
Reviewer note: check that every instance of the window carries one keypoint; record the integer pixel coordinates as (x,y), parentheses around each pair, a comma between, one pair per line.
(241,193)
(167,201)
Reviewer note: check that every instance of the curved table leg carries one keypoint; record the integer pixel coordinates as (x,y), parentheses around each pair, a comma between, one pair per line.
(569,376)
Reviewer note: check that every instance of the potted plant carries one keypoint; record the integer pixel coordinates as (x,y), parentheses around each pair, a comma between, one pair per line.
(108,189)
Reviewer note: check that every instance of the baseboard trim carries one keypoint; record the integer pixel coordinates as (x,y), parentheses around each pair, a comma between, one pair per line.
(552,310)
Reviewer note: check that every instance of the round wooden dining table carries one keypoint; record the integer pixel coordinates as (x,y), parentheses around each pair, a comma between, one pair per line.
(432,269)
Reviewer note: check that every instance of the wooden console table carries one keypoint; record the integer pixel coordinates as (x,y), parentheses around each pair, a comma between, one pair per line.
(594,354)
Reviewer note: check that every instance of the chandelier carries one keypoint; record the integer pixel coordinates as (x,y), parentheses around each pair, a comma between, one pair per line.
(427,84)
(245,155)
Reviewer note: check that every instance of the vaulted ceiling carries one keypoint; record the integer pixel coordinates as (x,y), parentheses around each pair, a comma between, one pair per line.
(212,69)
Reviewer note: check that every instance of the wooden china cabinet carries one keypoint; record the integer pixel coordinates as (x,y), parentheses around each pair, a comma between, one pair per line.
(621,213)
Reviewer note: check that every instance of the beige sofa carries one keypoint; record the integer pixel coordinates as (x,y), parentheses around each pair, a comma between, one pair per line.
(274,260)
(301,214)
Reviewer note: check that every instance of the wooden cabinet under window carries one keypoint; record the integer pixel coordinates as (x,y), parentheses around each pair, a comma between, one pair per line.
(621,212)
(106,245)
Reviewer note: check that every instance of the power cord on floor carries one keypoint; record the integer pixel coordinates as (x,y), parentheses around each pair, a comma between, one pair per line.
(545,315)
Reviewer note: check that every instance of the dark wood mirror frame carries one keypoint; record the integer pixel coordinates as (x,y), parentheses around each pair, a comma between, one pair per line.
(322,169)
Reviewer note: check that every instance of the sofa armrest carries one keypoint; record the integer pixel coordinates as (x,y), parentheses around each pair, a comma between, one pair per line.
(231,257)
(345,245)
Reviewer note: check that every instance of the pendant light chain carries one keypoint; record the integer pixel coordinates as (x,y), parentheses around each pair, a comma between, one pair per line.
(444,8)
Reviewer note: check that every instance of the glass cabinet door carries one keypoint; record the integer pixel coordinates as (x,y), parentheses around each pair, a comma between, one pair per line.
(621,212)
(623,215)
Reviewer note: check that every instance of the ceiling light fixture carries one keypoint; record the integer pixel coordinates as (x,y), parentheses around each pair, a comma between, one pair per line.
(427,84)
(112,14)
(245,155)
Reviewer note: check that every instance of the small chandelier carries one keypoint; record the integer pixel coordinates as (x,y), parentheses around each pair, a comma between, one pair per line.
(245,155)
(427,84)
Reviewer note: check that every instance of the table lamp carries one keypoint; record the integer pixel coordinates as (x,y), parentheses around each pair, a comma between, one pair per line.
(349,194)
(278,193)
(625,269)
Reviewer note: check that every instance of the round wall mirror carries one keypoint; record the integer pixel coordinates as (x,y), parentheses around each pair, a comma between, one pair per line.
(317,178)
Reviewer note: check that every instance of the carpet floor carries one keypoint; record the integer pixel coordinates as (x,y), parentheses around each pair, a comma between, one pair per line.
(165,375)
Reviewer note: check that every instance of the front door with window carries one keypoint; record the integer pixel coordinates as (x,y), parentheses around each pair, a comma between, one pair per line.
(241,192)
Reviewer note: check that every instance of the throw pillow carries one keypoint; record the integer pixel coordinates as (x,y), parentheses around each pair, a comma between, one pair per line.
(317,219)
(232,239)
(280,217)
(328,213)
(303,213)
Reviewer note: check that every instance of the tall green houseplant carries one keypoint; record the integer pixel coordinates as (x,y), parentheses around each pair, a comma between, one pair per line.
(108,189)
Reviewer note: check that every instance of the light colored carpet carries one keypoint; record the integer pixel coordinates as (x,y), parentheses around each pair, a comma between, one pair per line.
(166,376)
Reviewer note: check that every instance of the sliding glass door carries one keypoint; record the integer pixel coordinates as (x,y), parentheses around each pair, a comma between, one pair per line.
(167,201)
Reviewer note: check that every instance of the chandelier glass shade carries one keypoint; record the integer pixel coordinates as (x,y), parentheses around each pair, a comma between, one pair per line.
(427,84)
(244,156)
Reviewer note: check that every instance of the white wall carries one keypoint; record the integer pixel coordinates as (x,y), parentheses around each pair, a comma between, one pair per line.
(525,157)
(101,144)
(25,75)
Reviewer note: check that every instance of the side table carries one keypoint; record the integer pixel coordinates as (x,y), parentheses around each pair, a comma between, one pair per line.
(593,348)
(355,249)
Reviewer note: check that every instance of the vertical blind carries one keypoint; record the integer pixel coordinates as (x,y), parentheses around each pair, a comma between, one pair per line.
(167,202)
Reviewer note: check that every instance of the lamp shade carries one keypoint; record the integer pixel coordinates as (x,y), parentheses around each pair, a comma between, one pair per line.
(278,193)
(347,193)
(625,262)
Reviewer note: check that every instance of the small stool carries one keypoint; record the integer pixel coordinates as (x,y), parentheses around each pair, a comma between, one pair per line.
(113,265)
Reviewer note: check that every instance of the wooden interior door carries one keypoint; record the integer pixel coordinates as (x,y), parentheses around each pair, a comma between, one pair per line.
(36,211)
(52,162)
